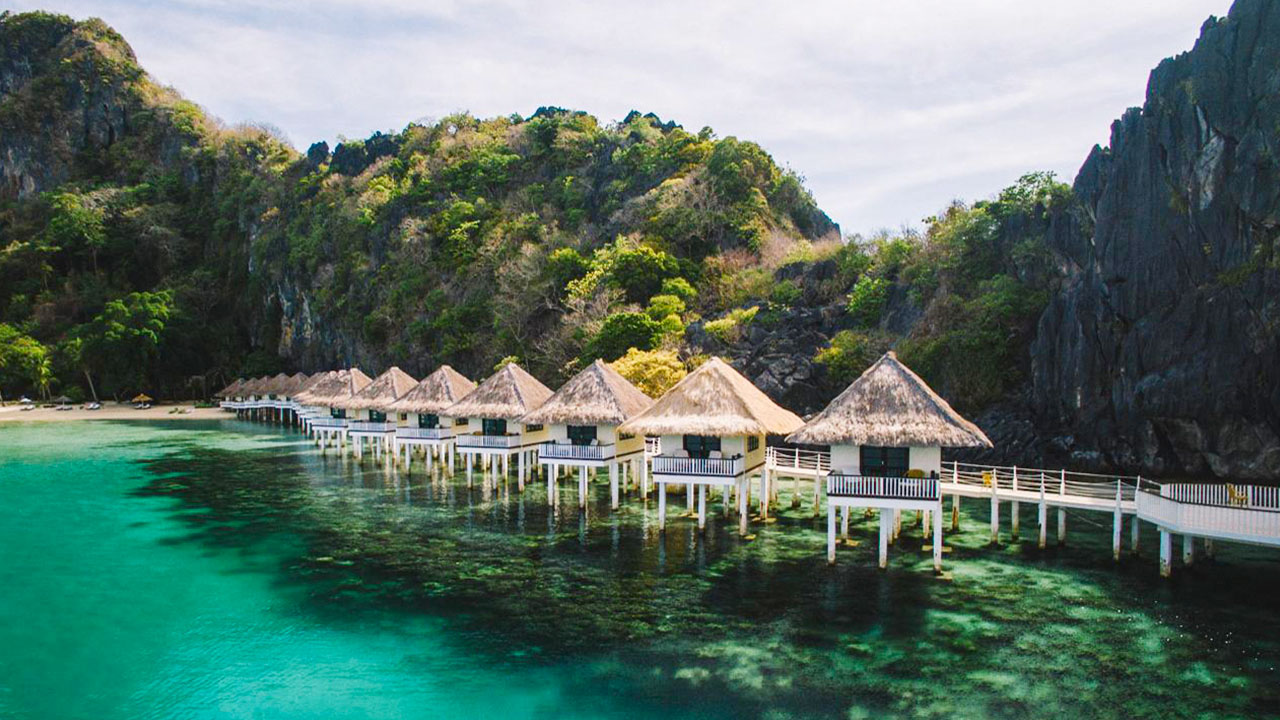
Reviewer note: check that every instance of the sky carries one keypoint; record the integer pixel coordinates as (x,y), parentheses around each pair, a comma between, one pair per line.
(889,110)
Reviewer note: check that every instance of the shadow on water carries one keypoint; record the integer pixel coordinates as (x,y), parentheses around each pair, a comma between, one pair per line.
(712,622)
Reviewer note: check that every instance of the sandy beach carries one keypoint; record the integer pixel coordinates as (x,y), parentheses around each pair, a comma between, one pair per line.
(14,413)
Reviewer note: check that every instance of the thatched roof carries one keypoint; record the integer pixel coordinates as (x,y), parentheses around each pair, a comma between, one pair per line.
(508,394)
(293,384)
(341,385)
(304,392)
(231,390)
(379,394)
(714,400)
(254,386)
(276,385)
(435,393)
(891,406)
(596,396)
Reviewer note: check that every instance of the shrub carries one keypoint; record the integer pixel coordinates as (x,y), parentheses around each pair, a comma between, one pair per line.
(622,331)
(653,371)
(660,306)
(848,354)
(728,329)
(679,287)
(867,300)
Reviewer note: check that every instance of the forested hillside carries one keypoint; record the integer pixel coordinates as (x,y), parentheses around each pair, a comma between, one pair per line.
(1128,321)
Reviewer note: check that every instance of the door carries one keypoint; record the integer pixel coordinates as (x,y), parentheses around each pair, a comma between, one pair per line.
(428,421)
(493,427)
(582,434)
(701,446)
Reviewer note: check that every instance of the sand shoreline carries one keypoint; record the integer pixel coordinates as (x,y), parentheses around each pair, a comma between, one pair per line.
(13,413)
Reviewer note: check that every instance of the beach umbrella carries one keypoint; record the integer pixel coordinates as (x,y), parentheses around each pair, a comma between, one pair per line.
(62,399)
(141,398)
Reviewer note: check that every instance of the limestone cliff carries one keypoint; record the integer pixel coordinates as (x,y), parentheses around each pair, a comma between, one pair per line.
(1160,351)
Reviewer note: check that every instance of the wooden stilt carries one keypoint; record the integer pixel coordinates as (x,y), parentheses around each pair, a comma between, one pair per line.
(1188,550)
(831,534)
(1166,553)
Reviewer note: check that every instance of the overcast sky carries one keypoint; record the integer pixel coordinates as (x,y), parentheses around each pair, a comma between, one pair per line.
(888,109)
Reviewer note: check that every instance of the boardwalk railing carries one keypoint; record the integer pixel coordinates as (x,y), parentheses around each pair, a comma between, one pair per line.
(367,426)
(713,467)
(488,441)
(810,462)
(436,433)
(1249,497)
(329,422)
(1053,482)
(568,451)
(1210,519)
(868,486)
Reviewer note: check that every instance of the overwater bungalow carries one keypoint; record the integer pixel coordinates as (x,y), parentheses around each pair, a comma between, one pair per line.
(367,411)
(886,432)
(488,426)
(713,425)
(228,395)
(582,418)
(324,397)
(307,409)
(427,426)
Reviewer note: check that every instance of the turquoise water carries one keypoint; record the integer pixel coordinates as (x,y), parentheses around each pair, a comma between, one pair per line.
(221,569)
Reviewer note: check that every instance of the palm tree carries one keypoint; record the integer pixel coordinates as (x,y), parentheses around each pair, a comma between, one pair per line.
(42,375)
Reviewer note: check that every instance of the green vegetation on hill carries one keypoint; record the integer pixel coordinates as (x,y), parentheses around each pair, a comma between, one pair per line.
(161,251)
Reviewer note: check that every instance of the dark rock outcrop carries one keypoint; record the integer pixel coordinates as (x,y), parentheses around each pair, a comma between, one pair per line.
(1161,351)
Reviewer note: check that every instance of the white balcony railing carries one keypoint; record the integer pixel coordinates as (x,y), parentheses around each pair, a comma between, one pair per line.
(1239,522)
(488,441)
(569,451)
(329,422)
(895,488)
(813,461)
(714,467)
(368,426)
(436,433)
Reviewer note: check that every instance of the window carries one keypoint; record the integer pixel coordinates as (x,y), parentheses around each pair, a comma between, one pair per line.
(883,461)
(428,421)
(461,422)
(377,416)
(489,426)
(402,417)
(753,442)
(625,436)
(535,427)
(582,434)
(338,413)
(701,446)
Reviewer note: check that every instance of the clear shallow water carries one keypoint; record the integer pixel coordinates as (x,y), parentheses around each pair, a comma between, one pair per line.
(227,570)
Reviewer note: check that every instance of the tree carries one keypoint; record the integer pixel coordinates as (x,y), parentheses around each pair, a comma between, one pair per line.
(621,332)
(24,362)
(124,339)
(641,271)
(76,226)
(653,371)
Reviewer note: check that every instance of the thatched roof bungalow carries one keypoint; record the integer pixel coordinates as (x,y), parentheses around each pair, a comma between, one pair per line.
(889,422)
(433,395)
(334,388)
(713,425)
(583,418)
(495,408)
(380,393)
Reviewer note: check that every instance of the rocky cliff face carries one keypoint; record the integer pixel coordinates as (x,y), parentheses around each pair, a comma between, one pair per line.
(1160,351)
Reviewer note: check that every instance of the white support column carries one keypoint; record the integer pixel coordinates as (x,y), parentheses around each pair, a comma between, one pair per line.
(523,460)
(831,534)
(955,513)
(1117,522)
(662,506)
(844,522)
(1208,548)
(1062,526)
(613,485)
(1166,553)
(1134,526)
(1013,511)
(688,497)
(702,506)
(1188,550)
(995,508)
(885,521)
(937,539)
(551,485)
(582,488)
(744,489)
(1043,516)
